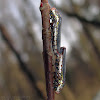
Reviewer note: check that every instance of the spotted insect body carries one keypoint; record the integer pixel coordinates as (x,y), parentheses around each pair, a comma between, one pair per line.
(56,23)
(59,52)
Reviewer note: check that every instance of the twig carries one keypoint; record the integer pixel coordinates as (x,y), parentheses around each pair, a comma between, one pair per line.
(23,66)
(82,19)
(74,14)
(47,50)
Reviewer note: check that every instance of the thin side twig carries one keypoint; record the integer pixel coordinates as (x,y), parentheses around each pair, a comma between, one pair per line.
(47,50)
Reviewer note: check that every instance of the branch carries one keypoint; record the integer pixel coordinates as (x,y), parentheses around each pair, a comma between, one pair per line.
(47,50)
(23,66)
(82,19)
(74,14)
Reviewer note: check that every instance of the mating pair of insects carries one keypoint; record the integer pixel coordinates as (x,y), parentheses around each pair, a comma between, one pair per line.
(59,53)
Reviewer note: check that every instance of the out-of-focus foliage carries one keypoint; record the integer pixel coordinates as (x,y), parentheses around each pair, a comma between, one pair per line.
(21,66)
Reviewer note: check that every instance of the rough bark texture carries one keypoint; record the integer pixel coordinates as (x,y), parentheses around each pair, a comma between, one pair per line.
(47,50)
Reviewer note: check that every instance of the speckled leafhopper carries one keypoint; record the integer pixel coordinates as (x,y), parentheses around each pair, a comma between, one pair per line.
(59,52)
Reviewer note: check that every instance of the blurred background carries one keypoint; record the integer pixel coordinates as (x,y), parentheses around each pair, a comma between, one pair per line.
(21,62)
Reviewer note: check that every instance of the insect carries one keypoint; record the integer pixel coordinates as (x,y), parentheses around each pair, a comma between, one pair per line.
(58,52)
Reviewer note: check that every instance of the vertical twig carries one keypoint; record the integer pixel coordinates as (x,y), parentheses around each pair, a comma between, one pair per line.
(47,50)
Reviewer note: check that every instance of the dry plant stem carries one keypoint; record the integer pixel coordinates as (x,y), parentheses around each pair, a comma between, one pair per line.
(47,50)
